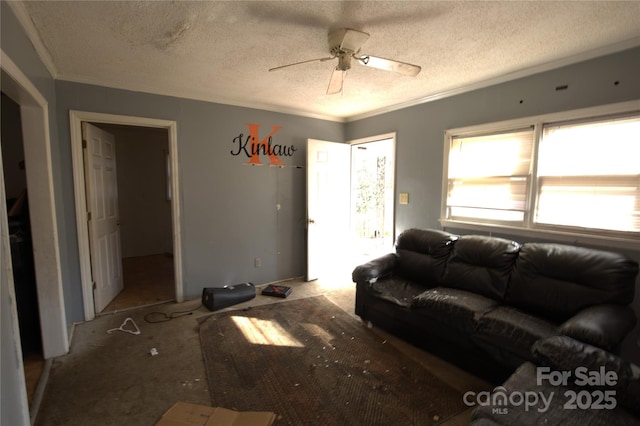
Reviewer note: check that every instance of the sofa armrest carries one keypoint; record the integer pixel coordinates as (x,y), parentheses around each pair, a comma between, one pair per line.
(601,325)
(374,269)
(563,353)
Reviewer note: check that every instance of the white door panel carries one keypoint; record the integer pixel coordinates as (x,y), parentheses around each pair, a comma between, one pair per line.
(104,225)
(328,196)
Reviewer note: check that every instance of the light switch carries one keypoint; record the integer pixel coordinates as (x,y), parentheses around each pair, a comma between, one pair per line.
(404,198)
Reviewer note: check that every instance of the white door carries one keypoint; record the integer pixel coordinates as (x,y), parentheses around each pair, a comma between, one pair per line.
(328,201)
(104,225)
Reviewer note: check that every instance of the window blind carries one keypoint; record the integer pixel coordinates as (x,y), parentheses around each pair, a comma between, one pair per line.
(488,175)
(589,174)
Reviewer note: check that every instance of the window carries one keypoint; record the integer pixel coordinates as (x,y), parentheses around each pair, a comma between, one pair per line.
(489,176)
(589,174)
(575,172)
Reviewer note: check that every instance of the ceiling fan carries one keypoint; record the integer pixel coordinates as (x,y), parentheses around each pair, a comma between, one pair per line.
(345,45)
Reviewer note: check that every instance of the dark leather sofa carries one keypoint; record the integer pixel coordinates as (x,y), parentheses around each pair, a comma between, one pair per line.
(483,302)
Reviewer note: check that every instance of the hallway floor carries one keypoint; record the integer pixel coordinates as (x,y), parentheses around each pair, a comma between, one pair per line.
(147,280)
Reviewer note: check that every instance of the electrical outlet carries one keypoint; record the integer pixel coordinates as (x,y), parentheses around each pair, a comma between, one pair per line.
(404,198)
(257,262)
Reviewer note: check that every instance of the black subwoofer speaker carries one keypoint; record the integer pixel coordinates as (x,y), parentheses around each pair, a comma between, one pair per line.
(215,298)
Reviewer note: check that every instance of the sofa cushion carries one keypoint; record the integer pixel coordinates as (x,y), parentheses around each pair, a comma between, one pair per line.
(426,241)
(457,308)
(513,330)
(601,325)
(395,290)
(481,265)
(557,281)
(422,255)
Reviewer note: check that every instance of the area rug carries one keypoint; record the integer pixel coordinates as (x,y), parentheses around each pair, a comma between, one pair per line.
(311,363)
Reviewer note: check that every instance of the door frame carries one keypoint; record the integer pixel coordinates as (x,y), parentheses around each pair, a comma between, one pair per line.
(34,111)
(76,118)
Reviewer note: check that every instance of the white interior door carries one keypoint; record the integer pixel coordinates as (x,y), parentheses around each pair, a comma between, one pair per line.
(104,225)
(328,202)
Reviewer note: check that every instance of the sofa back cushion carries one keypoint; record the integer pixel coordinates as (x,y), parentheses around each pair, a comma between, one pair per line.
(559,280)
(422,255)
(481,265)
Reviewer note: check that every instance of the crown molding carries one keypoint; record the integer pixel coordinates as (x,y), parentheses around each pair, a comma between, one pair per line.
(20,10)
(199,97)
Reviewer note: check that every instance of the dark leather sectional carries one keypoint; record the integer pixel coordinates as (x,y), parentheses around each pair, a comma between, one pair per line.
(484,303)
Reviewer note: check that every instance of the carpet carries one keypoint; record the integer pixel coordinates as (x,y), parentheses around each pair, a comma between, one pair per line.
(313,364)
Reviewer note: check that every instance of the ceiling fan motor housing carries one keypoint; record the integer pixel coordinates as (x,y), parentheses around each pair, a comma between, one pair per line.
(346,40)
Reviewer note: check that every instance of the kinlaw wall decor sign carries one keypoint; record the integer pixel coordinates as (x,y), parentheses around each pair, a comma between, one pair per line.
(253,147)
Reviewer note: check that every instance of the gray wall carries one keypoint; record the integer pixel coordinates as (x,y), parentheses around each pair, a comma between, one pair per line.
(420,132)
(228,208)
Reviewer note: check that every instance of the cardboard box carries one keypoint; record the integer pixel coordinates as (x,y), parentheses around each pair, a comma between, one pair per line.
(185,414)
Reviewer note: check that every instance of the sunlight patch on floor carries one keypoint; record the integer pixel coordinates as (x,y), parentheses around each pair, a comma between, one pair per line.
(262,332)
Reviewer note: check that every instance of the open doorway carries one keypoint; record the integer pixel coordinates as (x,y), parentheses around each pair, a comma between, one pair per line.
(144,219)
(372,197)
(169,195)
(22,259)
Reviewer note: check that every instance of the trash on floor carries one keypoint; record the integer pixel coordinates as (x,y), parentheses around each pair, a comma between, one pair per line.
(135,330)
(273,290)
(186,414)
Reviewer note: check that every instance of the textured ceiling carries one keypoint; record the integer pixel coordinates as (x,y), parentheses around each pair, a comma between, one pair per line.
(221,51)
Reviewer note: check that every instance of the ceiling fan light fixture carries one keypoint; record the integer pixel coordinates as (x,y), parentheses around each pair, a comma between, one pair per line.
(344,62)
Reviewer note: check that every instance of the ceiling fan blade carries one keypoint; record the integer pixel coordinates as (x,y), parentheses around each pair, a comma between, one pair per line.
(335,84)
(347,39)
(389,65)
(303,62)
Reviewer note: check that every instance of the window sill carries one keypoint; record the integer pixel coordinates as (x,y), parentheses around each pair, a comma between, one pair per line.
(564,237)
